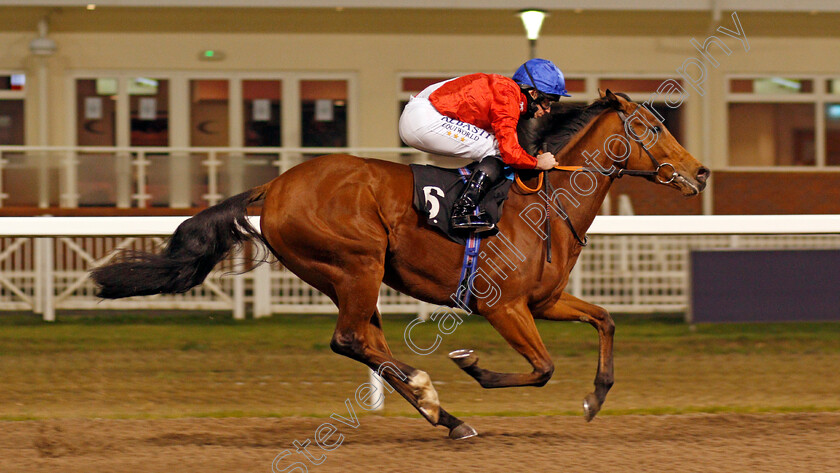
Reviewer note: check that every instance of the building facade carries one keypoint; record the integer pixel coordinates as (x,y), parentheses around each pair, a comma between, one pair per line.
(155,105)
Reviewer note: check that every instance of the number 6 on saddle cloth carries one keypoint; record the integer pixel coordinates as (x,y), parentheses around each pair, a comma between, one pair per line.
(435,190)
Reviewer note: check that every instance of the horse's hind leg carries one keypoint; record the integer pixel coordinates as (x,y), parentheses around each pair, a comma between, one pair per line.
(457,428)
(516,325)
(358,335)
(570,308)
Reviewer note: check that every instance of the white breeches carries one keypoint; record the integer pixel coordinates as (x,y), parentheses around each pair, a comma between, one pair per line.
(424,128)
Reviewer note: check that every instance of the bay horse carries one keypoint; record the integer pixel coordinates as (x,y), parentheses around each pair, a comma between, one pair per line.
(345,225)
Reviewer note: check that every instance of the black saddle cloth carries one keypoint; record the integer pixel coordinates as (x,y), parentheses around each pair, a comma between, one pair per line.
(437,188)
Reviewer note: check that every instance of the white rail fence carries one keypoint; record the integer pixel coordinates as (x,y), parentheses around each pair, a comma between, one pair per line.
(633,264)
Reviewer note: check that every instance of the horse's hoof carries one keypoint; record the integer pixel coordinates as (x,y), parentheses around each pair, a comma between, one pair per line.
(463,358)
(462,431)
(591,406)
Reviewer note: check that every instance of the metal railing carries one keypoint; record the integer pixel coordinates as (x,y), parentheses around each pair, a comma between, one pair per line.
(141,177)
(633,264)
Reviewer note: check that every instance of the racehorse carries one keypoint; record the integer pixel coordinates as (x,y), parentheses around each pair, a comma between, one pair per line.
(345,225)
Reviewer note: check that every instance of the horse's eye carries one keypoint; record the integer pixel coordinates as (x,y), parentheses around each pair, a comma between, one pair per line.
(657,129)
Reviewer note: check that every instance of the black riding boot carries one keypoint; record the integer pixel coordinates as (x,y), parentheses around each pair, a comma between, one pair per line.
(464,216)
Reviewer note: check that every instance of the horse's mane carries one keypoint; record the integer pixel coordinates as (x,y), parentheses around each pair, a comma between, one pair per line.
(553,131)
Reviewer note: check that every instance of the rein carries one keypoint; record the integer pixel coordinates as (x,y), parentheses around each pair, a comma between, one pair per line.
(528,191)
(616,173)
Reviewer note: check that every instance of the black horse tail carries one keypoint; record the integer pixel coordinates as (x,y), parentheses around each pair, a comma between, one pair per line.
(198,244)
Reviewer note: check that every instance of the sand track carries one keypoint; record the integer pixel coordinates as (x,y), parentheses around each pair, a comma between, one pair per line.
(802,442)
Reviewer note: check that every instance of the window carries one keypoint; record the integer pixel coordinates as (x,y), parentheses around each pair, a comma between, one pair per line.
(20,171)
(209,120)
(630,86)
(771,134)
(784,121)
(149,102)
(261,108)
(261,121)
(323,111)
(832,133)
(575,86)
(12,129)
(771,86)
(11,122)
(413,85)
(96,119)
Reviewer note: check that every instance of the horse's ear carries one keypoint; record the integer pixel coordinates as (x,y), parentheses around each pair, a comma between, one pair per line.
(601,93)
(614,100)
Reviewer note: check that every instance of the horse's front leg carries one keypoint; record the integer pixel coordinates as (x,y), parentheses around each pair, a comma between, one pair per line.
(570,308)
(516,325)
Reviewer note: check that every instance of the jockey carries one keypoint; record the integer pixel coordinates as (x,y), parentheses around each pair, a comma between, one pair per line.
(475,117)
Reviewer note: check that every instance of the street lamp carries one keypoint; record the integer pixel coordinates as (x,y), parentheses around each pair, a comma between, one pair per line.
(532,19)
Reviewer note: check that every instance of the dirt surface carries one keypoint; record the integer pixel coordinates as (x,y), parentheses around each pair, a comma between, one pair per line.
(797,442)
(215,396)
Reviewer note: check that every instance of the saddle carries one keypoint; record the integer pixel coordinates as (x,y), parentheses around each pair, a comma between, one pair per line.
(437,188)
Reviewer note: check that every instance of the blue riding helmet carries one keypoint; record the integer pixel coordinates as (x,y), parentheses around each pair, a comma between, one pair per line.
(542,75)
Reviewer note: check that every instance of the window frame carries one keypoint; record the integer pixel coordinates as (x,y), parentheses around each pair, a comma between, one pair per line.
(179,103)
(819,97)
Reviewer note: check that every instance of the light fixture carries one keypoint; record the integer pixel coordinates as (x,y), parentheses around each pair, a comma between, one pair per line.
(42,46)
(211,55)
(91,6)
(787,83)
(532,19)
(833,111)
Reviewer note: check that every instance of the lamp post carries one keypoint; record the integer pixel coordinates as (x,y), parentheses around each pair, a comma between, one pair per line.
(532,19)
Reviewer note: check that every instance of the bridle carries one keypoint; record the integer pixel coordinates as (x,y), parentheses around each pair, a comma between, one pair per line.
(617,173)
(651,175)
